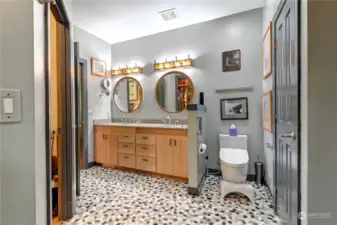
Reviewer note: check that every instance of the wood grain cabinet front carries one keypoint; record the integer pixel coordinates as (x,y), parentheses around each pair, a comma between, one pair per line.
(146,150)
(172,155)
(146,139)
(126,148)
(159,151)
(126,138)
(128,161)
(100,146)
(146,163)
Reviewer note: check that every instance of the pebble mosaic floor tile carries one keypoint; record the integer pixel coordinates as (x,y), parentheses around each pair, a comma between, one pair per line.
(112,197)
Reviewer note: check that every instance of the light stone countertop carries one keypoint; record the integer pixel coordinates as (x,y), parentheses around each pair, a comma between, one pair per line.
(145,125)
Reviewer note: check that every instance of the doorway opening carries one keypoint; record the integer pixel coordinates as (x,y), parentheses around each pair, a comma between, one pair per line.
(58,114)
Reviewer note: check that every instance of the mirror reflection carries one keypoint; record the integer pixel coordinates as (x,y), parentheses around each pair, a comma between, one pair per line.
(174,91)
(128,95)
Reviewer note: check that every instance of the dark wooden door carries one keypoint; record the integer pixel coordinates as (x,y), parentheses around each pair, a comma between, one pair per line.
(286,98)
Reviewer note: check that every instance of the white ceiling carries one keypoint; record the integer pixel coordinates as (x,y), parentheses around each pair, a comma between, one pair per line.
(121,20)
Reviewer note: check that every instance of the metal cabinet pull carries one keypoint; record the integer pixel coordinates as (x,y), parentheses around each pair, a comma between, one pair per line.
(145,148)
(170,142)
(145,138)
(175,142)
(126,157)
(145,160)
(125,136)
(125,146)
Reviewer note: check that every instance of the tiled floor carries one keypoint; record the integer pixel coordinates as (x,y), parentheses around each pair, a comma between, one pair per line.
(115,197)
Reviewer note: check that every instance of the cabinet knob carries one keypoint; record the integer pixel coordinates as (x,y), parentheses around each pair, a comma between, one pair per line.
(145,148)
(125,136)
(145,138)
(145,160)
(125,146)
(126,157)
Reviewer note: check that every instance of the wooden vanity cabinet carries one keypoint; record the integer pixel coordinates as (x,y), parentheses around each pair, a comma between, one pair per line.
(100,145)
(105,146)
(180,157)
(172,155)
(161,151)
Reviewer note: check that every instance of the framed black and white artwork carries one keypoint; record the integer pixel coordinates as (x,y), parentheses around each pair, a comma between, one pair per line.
(234,109)
(231,60)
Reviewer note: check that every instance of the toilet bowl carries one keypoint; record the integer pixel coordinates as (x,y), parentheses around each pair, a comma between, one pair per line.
(234,164)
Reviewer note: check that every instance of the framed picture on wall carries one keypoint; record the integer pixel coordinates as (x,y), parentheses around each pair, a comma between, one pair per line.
(267,52)
(234,109)
(98,67)
(231,60)
(267,111)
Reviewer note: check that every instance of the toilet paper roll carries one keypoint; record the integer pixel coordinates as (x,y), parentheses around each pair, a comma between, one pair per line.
(202,148)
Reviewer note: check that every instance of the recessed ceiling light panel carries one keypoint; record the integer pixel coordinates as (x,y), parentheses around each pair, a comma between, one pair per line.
(170,14)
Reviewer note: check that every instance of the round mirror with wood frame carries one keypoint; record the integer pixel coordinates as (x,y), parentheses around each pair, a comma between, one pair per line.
(174,91)
(128,95)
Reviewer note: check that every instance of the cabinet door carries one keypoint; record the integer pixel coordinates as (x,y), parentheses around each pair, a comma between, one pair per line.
(100,146)
(164,154)
(111,151)
(180,157)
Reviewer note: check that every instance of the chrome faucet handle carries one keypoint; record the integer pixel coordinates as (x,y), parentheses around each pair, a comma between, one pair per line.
(169,119)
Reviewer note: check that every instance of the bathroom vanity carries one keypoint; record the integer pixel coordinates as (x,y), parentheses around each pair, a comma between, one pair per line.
(156,148)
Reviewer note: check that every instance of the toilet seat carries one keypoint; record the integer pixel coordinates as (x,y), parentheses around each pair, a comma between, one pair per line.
(234,157)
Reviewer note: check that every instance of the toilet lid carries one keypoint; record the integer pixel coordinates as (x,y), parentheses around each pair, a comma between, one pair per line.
(234,156)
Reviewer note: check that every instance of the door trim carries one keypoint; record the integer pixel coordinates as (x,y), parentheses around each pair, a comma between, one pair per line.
(85,112)
(59,11)
(84,81)
(298,26)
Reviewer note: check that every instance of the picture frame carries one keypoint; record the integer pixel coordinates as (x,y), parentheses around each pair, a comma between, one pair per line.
(267,111)
(133,91)
(234,108)
(231,60)
(98,67)
(267,52)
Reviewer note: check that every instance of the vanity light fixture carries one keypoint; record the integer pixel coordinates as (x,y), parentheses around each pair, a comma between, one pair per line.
(173,64)
(127,70)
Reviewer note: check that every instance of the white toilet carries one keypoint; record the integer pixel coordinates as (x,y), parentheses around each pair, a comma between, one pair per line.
(234,160)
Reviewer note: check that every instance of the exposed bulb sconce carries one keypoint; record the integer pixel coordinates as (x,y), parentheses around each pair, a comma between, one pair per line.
(127,70)
(173,64)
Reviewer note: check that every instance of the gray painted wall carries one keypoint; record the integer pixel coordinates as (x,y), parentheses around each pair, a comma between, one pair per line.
(23,178)
(322,110)
(205,43)
(92,46)
(267,84)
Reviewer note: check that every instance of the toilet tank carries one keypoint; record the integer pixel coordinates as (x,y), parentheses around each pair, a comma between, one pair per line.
(226,141)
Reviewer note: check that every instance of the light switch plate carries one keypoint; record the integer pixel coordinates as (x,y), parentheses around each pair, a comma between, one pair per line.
(10,106)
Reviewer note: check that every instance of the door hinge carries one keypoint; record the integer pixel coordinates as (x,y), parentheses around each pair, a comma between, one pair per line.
(47,1)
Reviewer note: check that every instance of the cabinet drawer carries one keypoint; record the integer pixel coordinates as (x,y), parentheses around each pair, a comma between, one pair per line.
(146,163)
(146,139)
(127,138)
(126,148)
(127,160)
(146,150)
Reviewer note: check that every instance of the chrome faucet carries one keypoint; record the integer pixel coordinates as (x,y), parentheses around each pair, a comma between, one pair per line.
(125,119)
(168,119)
